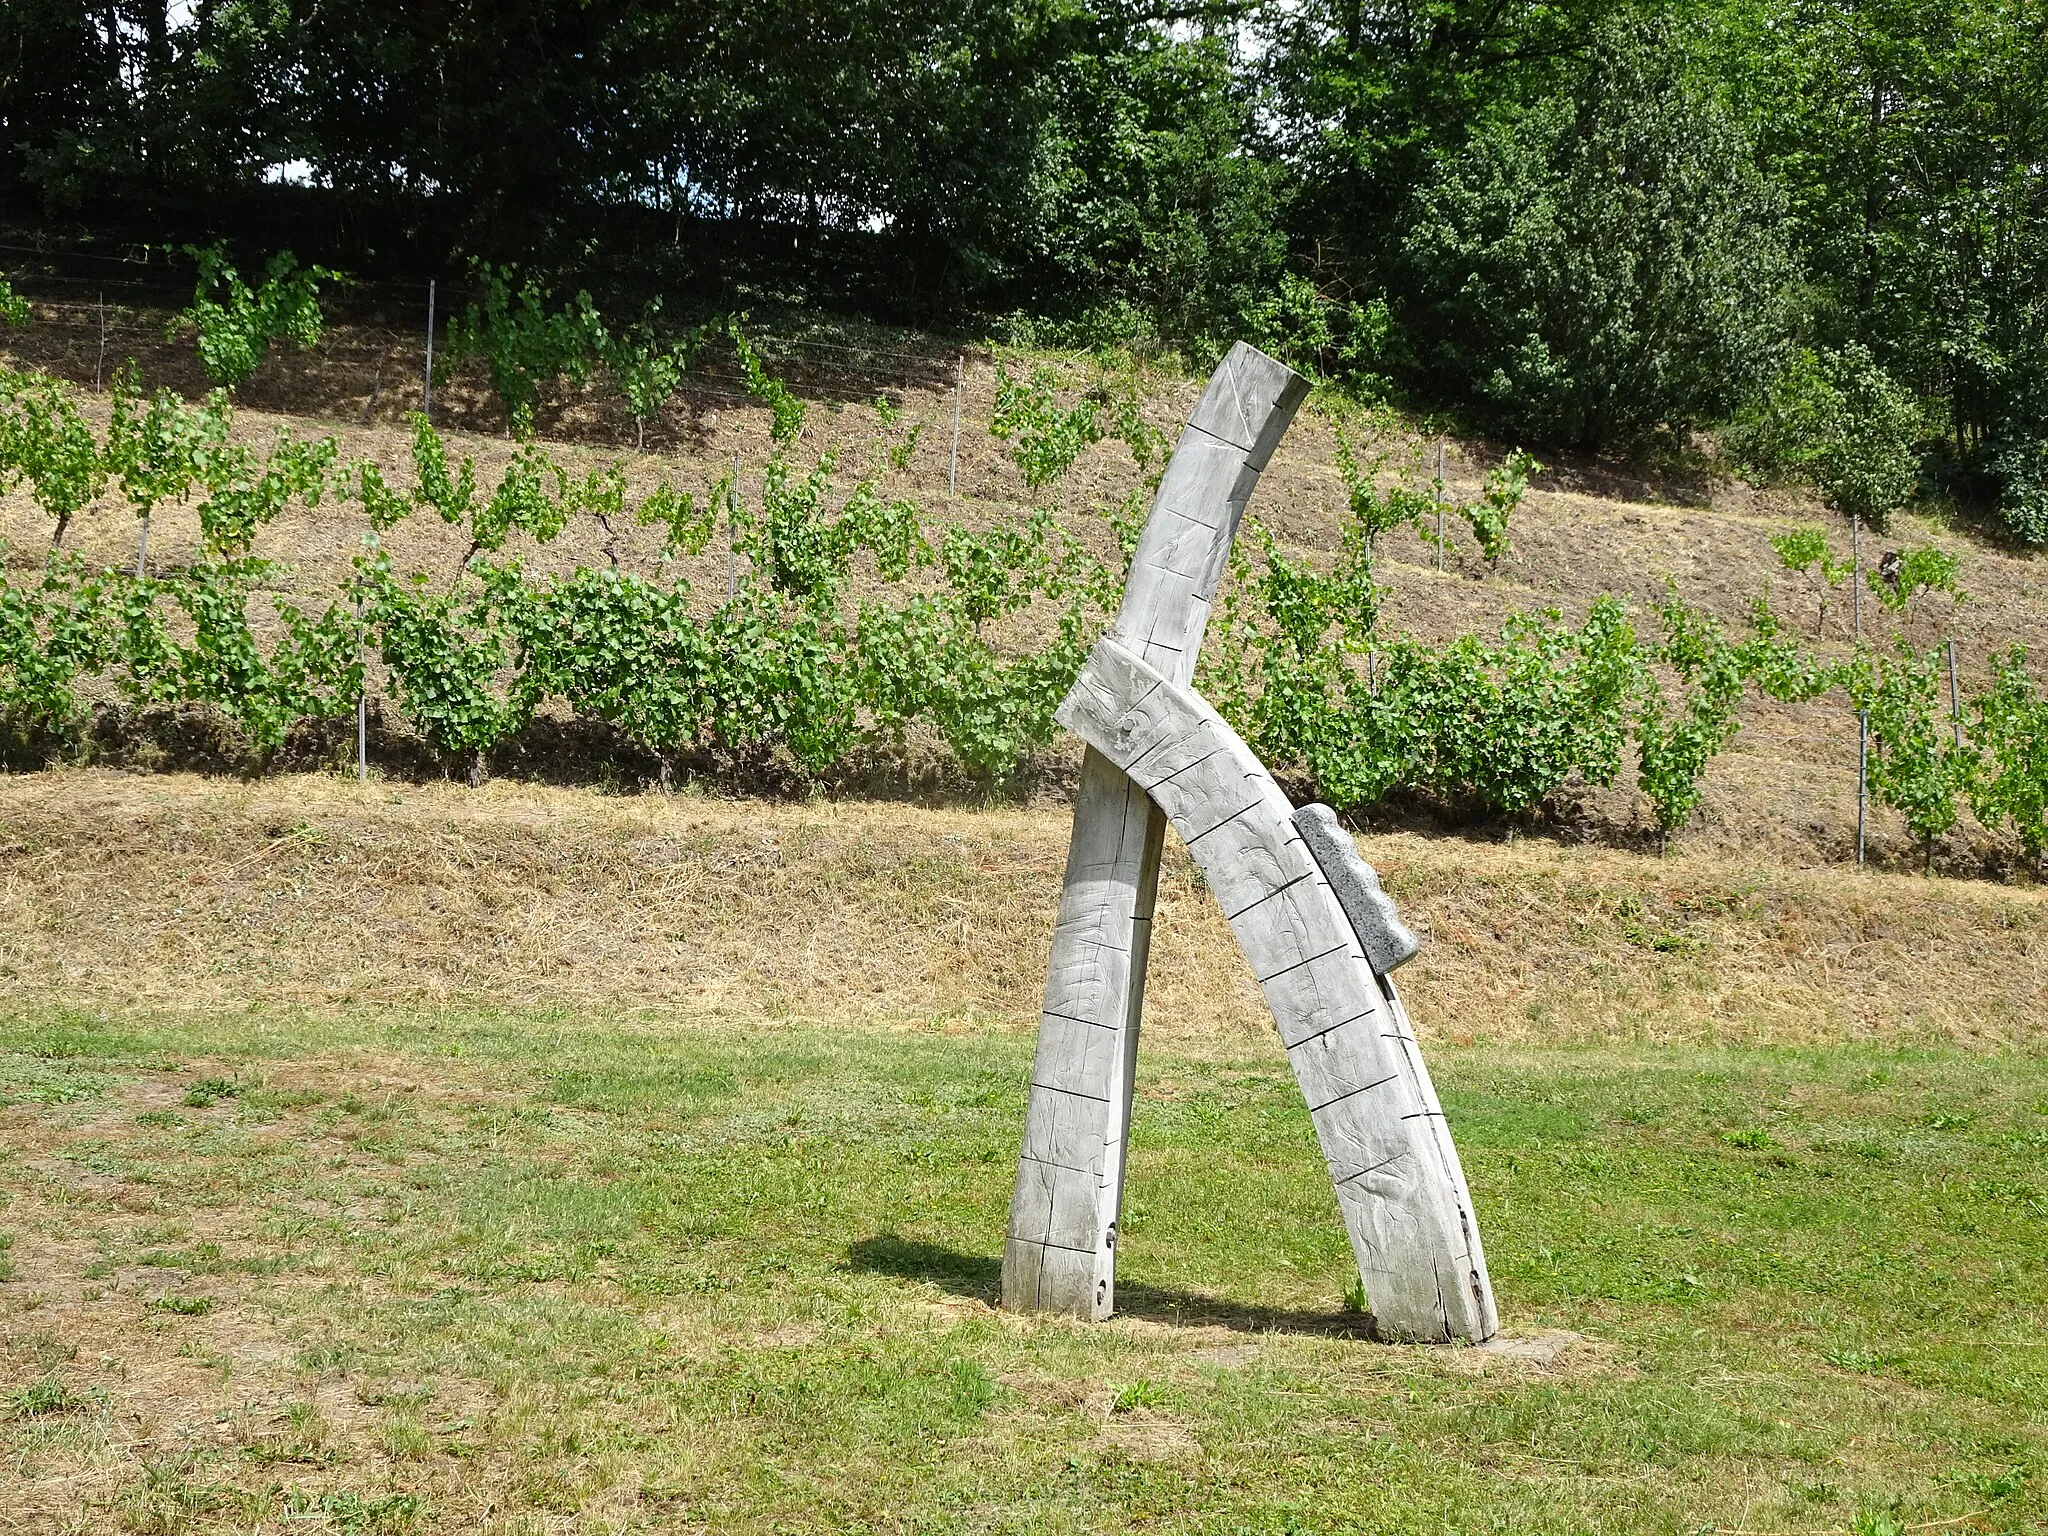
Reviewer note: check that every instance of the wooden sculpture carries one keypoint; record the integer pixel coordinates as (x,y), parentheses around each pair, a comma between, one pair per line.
(1320,934)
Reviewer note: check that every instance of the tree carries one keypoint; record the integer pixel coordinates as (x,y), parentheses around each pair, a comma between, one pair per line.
(1608,263)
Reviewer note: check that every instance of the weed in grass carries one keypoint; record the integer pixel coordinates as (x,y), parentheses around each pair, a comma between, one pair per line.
(31,1078)
(403,1437)
(50,1395)
(402,1395)
(160,1119)
(210,1091)
(182,1306)
(1754,1138)
(1997,1487)
(1865,1361)
(349,1512)
(303,1438)
(1137,1394)
(166,1500)
(277,1101)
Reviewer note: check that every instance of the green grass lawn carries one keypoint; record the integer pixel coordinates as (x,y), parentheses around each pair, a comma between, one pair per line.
(461,1271)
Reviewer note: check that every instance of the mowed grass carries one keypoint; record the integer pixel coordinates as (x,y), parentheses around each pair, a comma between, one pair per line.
(451,1271)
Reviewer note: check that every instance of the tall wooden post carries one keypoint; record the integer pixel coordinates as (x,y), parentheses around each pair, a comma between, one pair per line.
(1060,1255)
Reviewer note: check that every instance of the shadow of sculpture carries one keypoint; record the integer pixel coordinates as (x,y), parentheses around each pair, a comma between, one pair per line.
(979,1277)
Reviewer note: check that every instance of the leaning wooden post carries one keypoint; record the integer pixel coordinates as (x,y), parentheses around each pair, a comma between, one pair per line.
(1308,912)
(1061,1252)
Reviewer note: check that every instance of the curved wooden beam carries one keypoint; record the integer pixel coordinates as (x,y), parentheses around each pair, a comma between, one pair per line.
(1321,935)
(1398,1180)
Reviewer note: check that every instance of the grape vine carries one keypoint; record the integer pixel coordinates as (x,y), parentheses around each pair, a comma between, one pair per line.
(848,624)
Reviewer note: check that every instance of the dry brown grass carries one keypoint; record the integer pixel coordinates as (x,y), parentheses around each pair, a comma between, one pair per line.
(179,891)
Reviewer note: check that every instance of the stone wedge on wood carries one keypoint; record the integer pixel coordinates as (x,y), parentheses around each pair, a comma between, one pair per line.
(1060,1255)
(1399,1183)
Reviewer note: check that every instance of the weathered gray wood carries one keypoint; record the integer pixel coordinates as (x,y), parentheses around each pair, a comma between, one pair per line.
(1398,1181)
(1060,1254)
(1387,943)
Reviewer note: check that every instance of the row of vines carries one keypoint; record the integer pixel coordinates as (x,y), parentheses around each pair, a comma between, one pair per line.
(845,621)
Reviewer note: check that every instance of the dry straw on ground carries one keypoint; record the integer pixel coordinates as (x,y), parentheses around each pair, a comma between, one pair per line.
(179,891)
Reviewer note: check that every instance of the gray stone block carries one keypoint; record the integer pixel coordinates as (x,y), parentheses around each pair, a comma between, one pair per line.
(1386,940)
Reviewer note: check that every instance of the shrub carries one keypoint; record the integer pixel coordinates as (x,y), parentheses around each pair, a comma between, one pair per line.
(45,440)
(1805,551)
(2010,730)
(2019,465)
(525,345)
(1675,742)
(1917,767)
(1840,419)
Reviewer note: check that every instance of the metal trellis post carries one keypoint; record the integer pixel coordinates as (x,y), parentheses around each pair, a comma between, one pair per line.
(362,706)
(1862,779)
(427,389)
(1856,577)
(959,388)
(1439,503)
(1955,700)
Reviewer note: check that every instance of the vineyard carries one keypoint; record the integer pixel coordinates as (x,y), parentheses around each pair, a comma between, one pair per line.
(560,974)
(798,620)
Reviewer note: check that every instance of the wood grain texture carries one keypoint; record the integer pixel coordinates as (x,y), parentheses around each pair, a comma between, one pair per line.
(1396,1172)
(1060,1253)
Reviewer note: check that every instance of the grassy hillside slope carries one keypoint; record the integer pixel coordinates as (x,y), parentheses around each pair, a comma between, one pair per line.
(305,890)
(1787,784)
